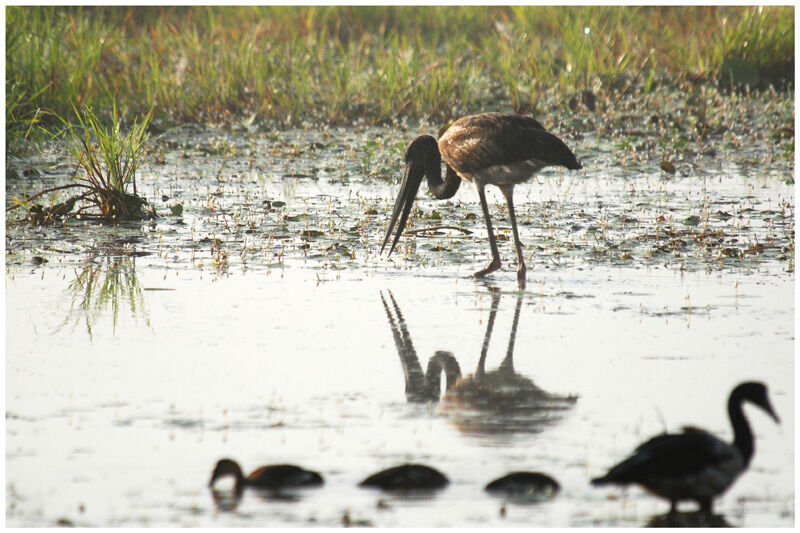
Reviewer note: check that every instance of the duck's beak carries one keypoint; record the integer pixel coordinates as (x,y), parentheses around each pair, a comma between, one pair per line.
(771,412)
(405,199)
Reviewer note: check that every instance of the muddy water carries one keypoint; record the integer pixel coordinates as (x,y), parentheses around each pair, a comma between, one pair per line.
(261,325)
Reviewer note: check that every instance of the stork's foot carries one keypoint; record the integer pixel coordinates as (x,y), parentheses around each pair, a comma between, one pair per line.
(491,267)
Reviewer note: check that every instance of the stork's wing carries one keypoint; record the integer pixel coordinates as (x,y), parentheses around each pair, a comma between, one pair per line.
(480,141)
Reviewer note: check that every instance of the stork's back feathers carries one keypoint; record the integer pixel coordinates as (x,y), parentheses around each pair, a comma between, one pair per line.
(477,142)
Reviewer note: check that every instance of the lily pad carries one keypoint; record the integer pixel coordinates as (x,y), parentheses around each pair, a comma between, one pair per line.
(311,233)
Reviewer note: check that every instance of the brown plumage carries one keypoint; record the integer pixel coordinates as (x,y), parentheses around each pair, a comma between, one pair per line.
(490,148)
(474,143)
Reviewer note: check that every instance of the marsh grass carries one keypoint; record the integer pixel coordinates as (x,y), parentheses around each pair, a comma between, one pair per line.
(287,65)
(109,157)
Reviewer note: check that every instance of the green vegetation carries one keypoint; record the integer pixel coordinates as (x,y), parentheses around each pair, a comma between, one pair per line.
(109,157)
(285,65)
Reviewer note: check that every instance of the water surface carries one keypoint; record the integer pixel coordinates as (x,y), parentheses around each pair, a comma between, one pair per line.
(255,326)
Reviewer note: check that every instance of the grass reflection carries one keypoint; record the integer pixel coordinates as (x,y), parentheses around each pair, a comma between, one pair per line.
(108,287)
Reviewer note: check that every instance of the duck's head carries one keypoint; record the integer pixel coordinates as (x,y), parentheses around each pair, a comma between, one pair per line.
(226,467)
(756,393)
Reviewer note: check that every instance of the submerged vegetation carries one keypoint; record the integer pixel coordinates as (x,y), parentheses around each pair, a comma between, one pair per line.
(286,65)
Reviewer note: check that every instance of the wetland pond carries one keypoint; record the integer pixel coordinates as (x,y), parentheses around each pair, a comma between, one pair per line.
(261,324)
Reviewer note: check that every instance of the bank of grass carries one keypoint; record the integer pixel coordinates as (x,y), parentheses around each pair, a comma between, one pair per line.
(285,65)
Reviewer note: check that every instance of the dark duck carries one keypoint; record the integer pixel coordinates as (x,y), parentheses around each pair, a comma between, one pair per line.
(694,465)
(524,485)
(407,477)
(486,149)
(271,477)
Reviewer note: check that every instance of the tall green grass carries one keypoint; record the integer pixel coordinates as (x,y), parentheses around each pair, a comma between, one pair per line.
(339,64)
(109,157)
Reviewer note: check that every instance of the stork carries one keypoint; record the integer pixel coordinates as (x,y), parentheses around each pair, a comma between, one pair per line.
(487,149)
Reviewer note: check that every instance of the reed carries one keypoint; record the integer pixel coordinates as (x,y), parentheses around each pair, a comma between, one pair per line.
(109,156)
(289,65)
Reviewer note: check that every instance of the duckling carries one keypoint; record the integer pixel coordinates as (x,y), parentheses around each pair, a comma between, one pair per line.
(533,485)
(407,477)
(694,465)
(274,477)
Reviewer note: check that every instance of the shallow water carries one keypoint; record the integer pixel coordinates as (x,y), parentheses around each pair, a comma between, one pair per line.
(139,355)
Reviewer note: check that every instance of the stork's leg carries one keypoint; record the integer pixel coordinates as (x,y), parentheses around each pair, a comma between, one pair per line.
(495,262)
(508,192)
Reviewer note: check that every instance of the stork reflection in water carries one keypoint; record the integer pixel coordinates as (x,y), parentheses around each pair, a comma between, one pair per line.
(486,402)
(486,149)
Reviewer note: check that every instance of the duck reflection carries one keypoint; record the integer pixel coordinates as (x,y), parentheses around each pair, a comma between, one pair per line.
(227,501)
(693,519)
(483,403)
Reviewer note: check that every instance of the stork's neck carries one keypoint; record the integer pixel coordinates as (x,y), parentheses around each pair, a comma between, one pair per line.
(442,190)
(441,361)
(742,435)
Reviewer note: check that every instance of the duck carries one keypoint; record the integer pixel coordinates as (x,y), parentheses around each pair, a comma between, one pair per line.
(407,477)
(694,464)
(525,484)
(273,477)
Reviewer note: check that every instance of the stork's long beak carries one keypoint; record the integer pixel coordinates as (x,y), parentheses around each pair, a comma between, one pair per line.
(405,199)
